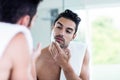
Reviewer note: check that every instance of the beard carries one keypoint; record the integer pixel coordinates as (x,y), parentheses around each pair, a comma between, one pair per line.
(61,41)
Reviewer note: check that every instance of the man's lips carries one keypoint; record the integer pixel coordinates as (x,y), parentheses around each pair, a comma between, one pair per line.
(59,39)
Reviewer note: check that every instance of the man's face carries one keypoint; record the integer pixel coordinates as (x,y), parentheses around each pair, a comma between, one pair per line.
(63,31)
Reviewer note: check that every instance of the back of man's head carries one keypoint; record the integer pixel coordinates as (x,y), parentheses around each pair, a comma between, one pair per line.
(0,10)
(13,10)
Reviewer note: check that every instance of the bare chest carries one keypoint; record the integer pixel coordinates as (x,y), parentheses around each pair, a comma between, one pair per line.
(47,69)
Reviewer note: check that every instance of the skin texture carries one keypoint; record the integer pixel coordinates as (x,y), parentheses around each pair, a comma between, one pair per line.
(16,62)
(57,55)
(16,66)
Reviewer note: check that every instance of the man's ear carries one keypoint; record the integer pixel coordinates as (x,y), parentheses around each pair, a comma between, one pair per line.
(24,20)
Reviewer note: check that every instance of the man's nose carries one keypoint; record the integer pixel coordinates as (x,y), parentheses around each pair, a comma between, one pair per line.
(62,32)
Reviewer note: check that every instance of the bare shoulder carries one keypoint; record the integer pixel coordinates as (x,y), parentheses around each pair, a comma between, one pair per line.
(17,46)
(19,55)
(44,52)
(85,66)
(44,56)
(14,58)
(87,56)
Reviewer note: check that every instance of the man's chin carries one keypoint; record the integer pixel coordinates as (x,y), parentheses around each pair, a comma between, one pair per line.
(62,46)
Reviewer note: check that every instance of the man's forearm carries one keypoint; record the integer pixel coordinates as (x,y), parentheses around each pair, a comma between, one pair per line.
(69,73)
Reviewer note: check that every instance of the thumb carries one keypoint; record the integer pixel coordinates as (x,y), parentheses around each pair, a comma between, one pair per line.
(37,52)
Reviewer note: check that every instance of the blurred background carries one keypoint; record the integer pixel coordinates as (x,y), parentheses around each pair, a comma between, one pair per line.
(99,28)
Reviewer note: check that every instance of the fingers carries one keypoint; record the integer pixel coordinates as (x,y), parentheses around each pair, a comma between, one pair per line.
(58,47)
(53,50)
(56,50)
(60,51)
(37,51)
(67,52)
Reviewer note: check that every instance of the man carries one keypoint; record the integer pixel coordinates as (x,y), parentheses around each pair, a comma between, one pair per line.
(56,57)
(15,39)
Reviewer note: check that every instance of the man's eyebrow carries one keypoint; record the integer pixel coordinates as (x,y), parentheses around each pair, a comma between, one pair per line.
(63,25)
(60,23)
(70,29)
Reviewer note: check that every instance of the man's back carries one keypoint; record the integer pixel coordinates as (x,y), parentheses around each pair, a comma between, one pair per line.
(15,57)
(15,51)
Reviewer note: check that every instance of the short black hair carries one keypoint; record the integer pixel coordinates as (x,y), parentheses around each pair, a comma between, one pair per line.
(69,15)
(0,10)
(13,10)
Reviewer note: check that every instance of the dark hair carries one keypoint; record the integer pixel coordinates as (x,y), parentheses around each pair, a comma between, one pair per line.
(13,10)
(69,15)
(0,10)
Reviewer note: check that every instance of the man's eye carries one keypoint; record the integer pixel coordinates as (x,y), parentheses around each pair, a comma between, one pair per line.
(68,31)
(58,27)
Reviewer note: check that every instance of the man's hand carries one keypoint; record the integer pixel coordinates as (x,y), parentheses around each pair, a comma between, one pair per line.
(61,56)
(35,55)
(36,52)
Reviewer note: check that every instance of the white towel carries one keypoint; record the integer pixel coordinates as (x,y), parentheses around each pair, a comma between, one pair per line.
(8,31)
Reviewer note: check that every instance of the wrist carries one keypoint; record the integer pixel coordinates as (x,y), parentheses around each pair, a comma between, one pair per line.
(66,67)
